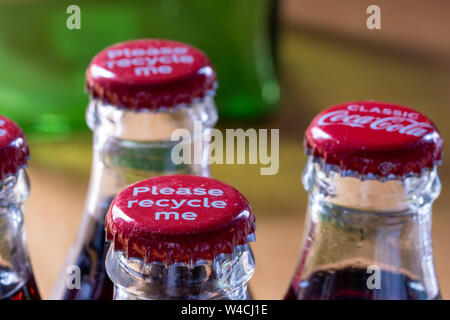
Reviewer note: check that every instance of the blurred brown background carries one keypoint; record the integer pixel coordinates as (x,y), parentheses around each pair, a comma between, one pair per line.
(326,56)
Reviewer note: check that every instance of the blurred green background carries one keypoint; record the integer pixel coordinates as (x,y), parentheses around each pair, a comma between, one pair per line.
(43,62)
(323,54)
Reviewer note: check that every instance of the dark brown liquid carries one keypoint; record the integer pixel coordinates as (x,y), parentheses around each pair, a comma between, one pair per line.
(28,291)
(94,284)
(351,283)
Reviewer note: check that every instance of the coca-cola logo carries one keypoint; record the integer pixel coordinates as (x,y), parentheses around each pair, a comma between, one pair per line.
(401,125)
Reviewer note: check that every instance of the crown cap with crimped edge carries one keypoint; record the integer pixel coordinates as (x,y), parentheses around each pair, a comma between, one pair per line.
(14,152)
(179,219)
(374,140)
(150,74)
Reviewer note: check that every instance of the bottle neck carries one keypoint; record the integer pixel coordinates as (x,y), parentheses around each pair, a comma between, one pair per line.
(225,278)
(407,194)
(355,225)
(130,146)
(15,267)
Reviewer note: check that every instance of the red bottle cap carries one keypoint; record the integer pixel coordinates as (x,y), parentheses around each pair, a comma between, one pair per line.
(179,218)
(374,140)
(150,74)
(14,152)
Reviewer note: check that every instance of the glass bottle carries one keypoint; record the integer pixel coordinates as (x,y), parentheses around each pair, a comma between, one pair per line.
(371,177)
(180,237)
(133,115)
(17,281)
